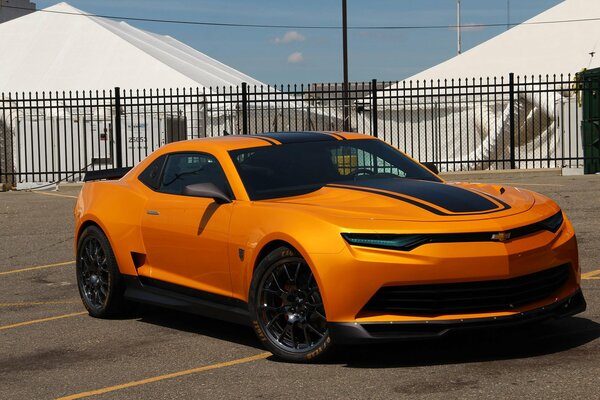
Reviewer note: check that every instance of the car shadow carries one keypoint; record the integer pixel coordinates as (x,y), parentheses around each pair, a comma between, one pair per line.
(464,347)
(474,346)
(192,323)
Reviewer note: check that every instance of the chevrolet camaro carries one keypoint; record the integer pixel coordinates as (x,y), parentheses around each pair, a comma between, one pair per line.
(319,238)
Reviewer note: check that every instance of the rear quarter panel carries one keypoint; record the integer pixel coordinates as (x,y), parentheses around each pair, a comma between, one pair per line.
(116,208)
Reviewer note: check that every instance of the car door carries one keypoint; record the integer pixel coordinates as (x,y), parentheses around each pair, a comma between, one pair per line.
(186,237)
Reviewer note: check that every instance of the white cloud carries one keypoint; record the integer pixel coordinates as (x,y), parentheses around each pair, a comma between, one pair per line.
(295,58)
(289,37)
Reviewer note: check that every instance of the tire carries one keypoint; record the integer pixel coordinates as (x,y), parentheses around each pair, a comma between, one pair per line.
(100,283)
(287,309)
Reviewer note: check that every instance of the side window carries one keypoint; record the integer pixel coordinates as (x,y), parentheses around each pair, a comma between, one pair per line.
(151,175)
(182,169)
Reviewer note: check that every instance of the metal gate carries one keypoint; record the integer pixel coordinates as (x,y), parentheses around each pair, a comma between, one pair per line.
(591,120)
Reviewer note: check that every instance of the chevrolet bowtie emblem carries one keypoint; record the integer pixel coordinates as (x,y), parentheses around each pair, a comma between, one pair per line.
(501,236)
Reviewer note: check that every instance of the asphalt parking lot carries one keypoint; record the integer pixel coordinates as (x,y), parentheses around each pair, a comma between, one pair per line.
(50,348)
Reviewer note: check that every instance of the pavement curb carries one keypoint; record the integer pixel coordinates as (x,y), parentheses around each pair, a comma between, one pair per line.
(500,174)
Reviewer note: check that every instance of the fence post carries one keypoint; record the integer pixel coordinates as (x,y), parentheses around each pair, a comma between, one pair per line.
(244,108)
(118,131)
(3,147)
(511,99)
(374,107)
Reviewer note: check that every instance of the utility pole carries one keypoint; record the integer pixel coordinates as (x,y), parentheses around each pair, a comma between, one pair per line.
(507,14)
(458,26)
(345,100)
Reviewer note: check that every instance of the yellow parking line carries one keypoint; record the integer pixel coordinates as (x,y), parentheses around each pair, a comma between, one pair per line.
(591,274)
(166,376)
(15,271)
(38,321)
(38,303)
(533,184)
(55,194)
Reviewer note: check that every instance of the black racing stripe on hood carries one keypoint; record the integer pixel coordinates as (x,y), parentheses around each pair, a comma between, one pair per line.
(451,198)
(393,196)
(299,137)
(505,205)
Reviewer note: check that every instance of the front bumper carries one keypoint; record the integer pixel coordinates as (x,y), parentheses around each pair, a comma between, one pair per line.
(362,332)
(348,280)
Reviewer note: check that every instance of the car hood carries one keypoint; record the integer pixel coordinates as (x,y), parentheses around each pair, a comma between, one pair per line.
(415,200)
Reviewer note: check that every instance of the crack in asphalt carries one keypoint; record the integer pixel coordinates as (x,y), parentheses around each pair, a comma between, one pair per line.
(39,249)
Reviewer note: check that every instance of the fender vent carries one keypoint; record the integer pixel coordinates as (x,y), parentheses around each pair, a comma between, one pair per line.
(139,259)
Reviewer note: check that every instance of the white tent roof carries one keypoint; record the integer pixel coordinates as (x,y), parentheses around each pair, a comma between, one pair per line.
(55,52)
(535,48)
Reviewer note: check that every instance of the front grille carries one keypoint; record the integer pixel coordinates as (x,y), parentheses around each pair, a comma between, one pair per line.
(468,297)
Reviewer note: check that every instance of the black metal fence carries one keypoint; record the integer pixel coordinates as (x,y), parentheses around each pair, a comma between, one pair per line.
(462,124)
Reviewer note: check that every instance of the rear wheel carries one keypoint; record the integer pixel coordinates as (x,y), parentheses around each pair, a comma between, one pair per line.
(287,308)
(100,283)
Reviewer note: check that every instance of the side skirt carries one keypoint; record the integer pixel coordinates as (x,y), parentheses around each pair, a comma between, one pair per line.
(165,294)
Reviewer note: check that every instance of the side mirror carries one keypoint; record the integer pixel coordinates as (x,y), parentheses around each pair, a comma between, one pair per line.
(432,167)
(208,190)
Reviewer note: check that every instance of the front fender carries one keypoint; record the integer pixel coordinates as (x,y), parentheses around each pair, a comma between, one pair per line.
(256,225)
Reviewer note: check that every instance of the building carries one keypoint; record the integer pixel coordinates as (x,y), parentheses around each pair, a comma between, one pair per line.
(11,9)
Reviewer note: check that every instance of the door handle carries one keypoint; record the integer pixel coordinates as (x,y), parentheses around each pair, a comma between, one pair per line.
(152,212)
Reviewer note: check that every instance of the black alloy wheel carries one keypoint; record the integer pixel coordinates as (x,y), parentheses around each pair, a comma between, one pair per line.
(98,278)
(287,308)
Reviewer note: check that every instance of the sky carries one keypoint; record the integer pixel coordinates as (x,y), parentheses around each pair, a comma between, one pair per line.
(295,56)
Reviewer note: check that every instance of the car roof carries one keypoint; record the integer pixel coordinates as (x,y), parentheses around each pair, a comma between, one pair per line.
(235,142)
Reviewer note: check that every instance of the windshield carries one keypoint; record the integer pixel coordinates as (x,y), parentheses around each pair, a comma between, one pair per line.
(298,168)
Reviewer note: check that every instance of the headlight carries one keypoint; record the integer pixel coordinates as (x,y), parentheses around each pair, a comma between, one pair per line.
(386,241)
(553,223)
(407,242)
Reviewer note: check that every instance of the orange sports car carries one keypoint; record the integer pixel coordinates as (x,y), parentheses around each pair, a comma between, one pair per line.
(317,238)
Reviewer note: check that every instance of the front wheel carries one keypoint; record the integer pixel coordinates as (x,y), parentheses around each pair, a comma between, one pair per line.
(287,309)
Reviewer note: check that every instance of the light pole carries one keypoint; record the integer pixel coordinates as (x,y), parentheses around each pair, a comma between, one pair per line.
(345,100)
(507,14)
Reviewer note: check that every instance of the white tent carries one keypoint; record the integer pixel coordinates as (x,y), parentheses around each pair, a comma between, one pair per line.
(64,49)
(50,51)
(473,127)
(544,44)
